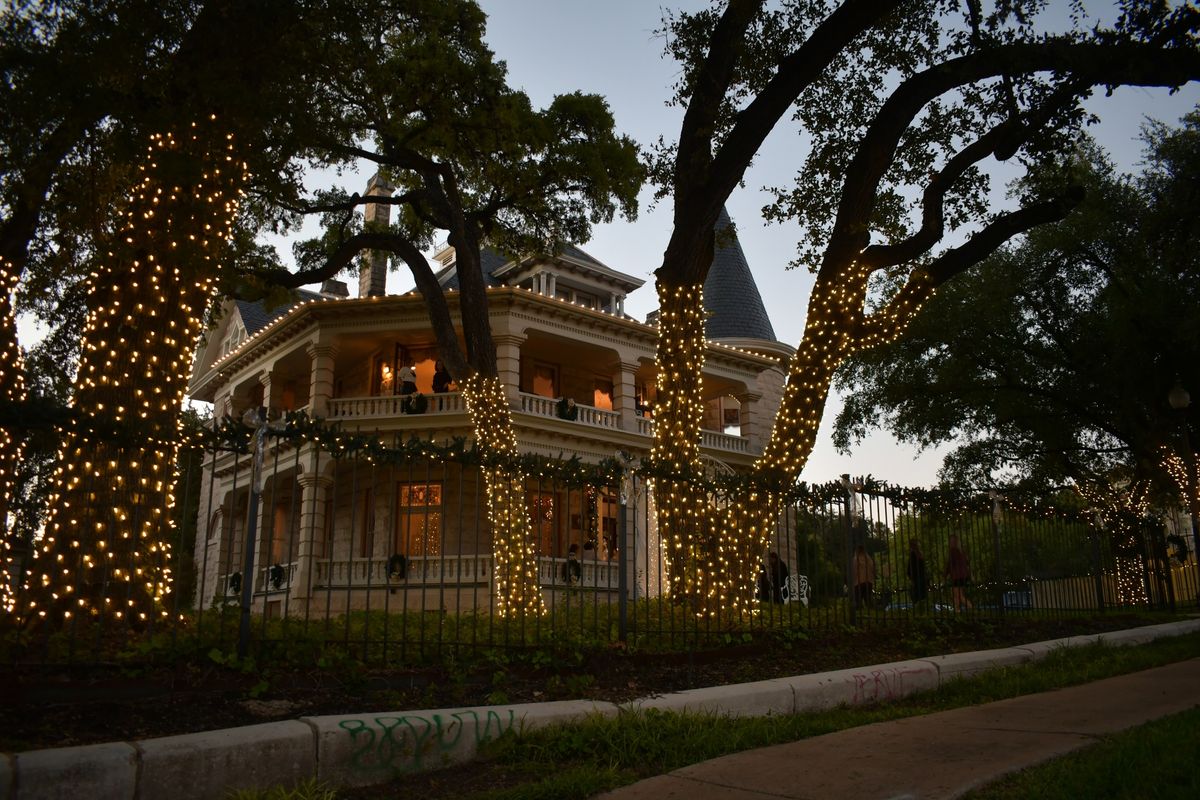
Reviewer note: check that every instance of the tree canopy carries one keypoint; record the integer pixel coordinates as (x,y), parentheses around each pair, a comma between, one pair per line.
(1054,358)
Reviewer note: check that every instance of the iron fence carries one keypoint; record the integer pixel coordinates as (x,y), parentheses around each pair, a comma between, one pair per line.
(384,553)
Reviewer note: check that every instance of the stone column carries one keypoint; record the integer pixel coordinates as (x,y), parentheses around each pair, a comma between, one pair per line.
(272,390)
(320,382)
(314,490)
(551,284)
(751,424)
(508,364)
(625,394)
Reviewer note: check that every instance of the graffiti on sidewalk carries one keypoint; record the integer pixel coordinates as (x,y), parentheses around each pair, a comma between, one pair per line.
(405,743)
(882,684)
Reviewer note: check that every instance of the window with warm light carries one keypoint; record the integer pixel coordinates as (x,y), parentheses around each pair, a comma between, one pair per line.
(418,530)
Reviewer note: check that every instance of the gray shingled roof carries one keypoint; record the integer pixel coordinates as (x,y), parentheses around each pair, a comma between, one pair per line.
(490,260)
(735,308)
(256,316)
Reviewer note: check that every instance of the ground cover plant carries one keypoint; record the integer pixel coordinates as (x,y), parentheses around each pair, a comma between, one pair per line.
(604,753)
(162,686)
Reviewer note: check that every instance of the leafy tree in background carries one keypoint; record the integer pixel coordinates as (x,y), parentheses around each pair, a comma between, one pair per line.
(459,153)
(889,97)
(1052,361)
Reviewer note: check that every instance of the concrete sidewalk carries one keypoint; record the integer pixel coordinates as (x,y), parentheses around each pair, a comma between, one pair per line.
(938,755)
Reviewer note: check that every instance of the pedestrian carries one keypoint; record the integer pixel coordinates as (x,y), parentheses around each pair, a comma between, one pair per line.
(572,571)
(917,576)
(408,378)
(441,378)
(958,571)
(864,577)
(773,579)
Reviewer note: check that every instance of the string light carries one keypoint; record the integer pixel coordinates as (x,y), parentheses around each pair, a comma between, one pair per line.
(514,550)
(106,546)
(12,391)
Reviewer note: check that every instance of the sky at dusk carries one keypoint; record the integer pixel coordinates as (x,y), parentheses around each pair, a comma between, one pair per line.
(610,48)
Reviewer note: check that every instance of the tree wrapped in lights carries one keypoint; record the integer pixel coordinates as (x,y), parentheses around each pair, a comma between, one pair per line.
(12,392)
(1121,510)
(105,550)
(892,97)
(513,543)
(460,152)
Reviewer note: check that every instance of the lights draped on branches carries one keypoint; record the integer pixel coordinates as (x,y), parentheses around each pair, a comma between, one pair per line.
(1120,510)
(107,541)
(513,548)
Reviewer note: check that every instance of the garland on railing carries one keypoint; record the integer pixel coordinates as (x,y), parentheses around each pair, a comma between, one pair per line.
(232,435)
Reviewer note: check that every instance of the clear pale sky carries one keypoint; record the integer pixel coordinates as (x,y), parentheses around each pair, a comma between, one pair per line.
(557,46)
(609,48)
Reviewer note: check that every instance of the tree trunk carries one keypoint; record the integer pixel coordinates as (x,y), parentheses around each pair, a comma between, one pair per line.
(12,392)
(513,549)
(107,541)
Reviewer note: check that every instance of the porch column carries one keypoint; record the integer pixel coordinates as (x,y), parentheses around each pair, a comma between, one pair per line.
(625,394)
(551,284)
(508,364)
(320,381)
(272,390)
(751,425)
(314,490)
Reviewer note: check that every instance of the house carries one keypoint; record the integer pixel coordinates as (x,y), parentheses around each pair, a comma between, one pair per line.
(333,535)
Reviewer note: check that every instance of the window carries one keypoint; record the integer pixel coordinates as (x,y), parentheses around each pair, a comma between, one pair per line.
(236,336)
(545,526)
(545,380)
(602,394)
(418,520)
(275,550)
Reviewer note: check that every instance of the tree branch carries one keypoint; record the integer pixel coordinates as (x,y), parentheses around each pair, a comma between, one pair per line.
(1120,64)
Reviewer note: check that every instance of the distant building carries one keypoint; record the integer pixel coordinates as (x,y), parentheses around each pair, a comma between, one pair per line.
(335,537)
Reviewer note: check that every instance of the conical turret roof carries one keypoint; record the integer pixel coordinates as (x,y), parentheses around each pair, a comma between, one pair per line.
(735,308)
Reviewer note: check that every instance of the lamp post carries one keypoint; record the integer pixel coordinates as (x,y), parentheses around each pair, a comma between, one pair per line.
(1180,400)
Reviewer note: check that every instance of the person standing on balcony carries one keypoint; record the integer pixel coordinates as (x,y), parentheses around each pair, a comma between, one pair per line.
(441,378)
(408,378)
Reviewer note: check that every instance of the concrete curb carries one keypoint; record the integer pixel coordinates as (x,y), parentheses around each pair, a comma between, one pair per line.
(365,749)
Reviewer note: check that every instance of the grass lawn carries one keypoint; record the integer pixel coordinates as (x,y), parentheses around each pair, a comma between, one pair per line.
(1157,761)
(604,753)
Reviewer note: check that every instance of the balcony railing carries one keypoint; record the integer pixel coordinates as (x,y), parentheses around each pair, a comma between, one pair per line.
(393,406)
(466,570)
(588,415)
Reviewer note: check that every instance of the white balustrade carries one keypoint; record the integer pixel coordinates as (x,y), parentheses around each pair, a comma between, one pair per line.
(393,406)
(588,415)
(361,573)
(724,441)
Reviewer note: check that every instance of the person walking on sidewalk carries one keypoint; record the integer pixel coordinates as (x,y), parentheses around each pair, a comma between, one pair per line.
(958,571)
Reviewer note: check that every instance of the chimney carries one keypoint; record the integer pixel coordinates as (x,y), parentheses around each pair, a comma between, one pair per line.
(334,290)
(372,275)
